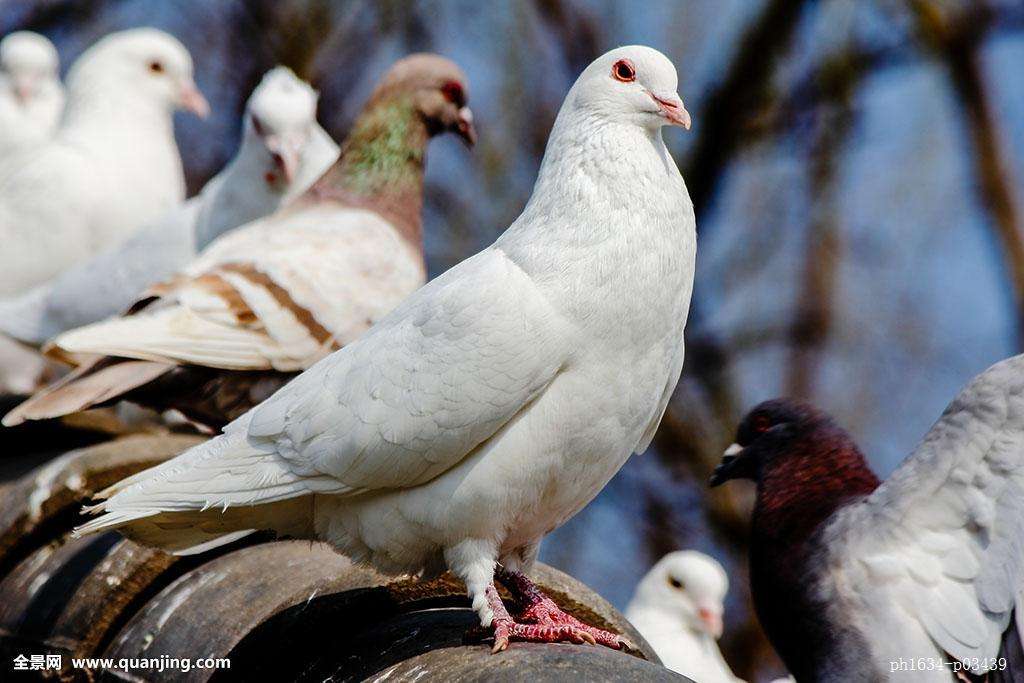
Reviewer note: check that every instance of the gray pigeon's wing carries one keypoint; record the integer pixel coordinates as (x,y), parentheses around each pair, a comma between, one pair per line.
(432,381)
(946,531)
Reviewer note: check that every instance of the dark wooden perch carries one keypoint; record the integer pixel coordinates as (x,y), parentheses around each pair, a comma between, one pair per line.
(280,610)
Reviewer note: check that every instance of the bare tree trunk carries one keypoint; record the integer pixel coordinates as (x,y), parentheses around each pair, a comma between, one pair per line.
(815,305)
(956,42)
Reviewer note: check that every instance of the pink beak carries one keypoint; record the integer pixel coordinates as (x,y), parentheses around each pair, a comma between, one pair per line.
(712,620)
(193,100)
(23,90)
(672,109)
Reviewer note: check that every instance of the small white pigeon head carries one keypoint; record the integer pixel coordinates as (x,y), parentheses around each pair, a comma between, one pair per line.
(149,64)
(686,585)
(635,84)
(281,116)
(30,63)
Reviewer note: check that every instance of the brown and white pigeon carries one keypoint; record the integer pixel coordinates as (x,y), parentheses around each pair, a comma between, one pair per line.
(272,297)
(917,578)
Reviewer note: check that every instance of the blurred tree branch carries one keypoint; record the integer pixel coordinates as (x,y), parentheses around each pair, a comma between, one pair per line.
(726,116)
(577,32)
(956,41)
(815,305)
(724,120)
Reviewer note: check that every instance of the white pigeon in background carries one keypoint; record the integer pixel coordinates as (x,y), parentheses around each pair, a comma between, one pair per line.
(283,150)
(493,403)
(112,165)
(31,94)
(677,608)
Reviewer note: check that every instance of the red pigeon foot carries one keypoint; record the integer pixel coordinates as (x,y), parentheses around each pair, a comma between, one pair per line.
(507,629)
(540,619)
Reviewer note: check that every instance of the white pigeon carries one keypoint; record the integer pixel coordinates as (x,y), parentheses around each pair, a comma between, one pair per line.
(677,608)
(283,150)
(31,94)
(493,403)
(112,165)
(917,578)
(273,297)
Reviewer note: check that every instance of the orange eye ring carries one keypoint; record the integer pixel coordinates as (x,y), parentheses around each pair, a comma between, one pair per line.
(623,70)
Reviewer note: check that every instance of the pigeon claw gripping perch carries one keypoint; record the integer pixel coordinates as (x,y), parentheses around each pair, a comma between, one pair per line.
(540,620)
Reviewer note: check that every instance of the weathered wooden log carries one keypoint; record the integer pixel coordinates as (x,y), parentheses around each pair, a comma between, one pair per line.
(45,503)
(282,610)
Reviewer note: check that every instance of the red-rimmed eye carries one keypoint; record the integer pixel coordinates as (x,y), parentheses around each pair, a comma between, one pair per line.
(452,91)
(623,70)
(762,423)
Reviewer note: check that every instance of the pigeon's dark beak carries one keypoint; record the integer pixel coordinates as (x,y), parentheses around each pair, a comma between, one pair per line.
(464,126)
(285,154)
(734,465)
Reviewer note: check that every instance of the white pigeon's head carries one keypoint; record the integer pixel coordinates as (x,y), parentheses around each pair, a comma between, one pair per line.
(281,117)
(144,64)
(686,585)
(30,63)
(634,84)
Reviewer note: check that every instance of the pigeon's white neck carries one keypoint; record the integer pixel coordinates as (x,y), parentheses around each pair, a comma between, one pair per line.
(129,136)
(241,192)
(593,165)
(657,617)
(605,190)
(117,116)
(681,647)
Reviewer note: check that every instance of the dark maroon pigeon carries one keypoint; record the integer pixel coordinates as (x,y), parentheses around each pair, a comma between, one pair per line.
(913,579)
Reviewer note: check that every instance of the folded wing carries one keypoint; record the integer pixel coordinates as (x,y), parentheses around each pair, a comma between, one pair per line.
(406,402)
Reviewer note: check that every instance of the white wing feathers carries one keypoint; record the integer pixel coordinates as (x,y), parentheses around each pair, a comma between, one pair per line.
(951,519)
(675,372)
(398,407)
(426,386)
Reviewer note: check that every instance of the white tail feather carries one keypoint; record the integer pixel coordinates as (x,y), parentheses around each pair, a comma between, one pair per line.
(222,487)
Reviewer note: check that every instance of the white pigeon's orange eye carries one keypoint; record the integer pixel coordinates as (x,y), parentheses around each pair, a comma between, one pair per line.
(675,583)
(623,70)
(156,67)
